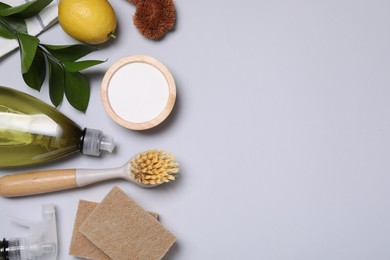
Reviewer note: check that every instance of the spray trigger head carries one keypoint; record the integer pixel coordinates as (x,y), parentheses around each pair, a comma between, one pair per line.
(41,242)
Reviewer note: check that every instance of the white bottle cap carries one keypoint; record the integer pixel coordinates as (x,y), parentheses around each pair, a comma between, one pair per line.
(107,144)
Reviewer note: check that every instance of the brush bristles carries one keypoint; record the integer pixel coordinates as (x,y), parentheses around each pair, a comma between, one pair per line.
(154,167)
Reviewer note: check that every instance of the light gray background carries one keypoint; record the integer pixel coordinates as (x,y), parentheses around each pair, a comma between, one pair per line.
(281,127)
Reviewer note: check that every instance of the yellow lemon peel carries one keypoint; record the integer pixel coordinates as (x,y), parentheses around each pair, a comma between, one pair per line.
(89,21)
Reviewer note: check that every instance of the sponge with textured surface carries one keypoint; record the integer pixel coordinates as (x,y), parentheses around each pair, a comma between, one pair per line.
(80,246)
(123,230)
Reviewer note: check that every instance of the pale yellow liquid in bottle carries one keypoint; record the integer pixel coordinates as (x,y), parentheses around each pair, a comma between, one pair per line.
(33,132)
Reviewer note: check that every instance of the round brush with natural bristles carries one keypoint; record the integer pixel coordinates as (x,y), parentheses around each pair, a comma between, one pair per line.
(153,167)
(146,169)
(154,18)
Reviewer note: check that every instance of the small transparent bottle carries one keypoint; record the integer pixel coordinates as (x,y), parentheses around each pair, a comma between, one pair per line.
(33,132)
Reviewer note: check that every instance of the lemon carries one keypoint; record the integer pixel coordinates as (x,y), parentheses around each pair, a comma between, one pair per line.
(89,21)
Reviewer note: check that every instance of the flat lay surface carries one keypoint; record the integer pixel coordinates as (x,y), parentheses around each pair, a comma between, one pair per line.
(281,128)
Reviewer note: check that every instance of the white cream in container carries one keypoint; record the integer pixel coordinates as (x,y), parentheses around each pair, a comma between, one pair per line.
(138,92)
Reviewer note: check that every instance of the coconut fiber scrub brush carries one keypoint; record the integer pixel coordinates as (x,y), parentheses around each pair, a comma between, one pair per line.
(147,169)
(154,18)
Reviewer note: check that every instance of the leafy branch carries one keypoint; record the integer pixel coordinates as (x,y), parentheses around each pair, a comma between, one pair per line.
(60,62)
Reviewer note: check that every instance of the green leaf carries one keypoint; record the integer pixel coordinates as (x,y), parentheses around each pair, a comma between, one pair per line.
(10,25)
(56,83)
(5,30)
(70,52)
(35,76)
(80,65)
(26,10)
(3,5)
(77,90)
(28,46)
(13,25)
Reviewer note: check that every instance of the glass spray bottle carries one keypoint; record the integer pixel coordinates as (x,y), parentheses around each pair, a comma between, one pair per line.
(33,132)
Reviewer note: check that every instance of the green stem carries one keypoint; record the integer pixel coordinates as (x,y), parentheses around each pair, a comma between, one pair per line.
(112,35)
(50,57)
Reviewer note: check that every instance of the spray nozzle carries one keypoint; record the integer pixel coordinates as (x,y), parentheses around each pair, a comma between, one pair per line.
(41,243)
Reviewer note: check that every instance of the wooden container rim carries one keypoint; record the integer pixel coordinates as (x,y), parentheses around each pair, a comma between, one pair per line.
(140,59)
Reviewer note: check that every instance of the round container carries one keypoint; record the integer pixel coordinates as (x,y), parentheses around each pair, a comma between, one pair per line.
(138,92)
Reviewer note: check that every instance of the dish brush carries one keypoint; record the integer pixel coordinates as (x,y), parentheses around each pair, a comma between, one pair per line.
(147,169)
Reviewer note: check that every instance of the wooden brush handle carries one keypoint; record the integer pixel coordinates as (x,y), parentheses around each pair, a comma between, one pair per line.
(30,183)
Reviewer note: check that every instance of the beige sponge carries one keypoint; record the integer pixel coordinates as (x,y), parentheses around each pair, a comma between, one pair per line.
(123,230)
(80,246)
